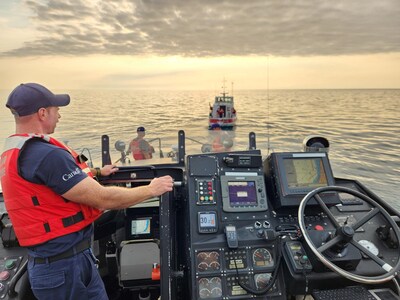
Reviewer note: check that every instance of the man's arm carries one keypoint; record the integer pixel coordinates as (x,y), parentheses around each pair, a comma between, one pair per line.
(68,180)
(90,192)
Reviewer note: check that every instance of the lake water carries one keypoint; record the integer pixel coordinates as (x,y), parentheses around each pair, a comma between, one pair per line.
(362,126)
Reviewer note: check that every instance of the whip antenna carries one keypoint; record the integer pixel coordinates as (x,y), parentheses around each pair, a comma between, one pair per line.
(268,125)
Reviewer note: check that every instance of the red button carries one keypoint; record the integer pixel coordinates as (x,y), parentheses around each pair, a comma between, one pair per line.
(319,227)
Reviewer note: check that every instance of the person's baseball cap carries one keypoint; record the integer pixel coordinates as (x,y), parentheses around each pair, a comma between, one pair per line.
(28,98)
(140,129)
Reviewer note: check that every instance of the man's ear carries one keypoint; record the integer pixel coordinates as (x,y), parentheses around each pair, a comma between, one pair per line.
(42,113)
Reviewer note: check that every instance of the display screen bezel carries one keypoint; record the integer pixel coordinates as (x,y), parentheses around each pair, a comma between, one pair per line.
(283,158)
(259,200)
(286,195)
(207,228)
(138,221)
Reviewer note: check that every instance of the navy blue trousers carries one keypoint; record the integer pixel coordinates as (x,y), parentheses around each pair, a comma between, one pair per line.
(74,278)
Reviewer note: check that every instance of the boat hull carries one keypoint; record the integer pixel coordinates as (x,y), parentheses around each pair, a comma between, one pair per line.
(224,123)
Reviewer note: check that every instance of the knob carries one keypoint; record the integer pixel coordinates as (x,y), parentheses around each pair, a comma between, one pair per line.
(257,224)
(4,275)
(10,264)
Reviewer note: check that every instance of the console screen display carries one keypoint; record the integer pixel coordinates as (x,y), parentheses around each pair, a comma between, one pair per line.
(139,227)
(207,220)
(242,193)
(304,172)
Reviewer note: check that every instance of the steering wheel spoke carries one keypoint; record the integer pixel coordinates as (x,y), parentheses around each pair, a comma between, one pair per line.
(329,244)
(366,218)
(326,210)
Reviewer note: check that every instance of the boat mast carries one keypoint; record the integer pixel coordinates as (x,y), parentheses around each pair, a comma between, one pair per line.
(223,89)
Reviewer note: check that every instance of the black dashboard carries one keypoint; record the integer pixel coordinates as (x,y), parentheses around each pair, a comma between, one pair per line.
(231,229)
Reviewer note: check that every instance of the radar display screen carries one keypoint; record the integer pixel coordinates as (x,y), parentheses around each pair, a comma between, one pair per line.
(242,193)
(291,175)
(305,173)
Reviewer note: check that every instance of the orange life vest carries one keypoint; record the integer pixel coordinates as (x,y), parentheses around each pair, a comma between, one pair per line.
(37,213)
(136,151)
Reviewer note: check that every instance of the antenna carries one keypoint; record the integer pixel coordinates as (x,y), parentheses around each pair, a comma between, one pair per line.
(268,124)
(223,88)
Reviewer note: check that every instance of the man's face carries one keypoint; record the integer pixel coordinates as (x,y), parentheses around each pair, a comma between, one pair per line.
(51,119)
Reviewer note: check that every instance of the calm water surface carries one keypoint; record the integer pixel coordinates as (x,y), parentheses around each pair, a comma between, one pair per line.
(362,125)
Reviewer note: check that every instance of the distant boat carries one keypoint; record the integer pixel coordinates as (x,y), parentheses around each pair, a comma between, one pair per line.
(222,113)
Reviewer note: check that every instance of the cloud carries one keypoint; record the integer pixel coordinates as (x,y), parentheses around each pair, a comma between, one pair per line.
(208,28)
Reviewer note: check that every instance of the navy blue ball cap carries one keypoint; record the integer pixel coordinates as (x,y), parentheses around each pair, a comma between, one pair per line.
(140,129)
(28,98)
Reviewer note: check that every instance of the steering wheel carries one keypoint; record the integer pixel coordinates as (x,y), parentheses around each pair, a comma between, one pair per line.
(345,235)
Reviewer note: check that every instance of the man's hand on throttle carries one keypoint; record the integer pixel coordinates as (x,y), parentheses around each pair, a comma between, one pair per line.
(161,185)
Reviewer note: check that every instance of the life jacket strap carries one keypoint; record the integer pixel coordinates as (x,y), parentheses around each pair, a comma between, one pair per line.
(35,201)
(68,221)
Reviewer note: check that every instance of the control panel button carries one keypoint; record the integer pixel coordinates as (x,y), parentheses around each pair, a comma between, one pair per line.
(10,264)
(4,275)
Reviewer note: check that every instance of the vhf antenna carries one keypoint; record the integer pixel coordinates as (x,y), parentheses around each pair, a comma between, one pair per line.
(268,125)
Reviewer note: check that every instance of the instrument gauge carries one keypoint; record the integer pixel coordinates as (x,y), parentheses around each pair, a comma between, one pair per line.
(262,280)
(208,261)
(204,283)
(202,266)
(214,265)
(216,292)
(215,287)
(214,255)
(369,246)
(202,255)
(216,281)
(262,258)
(204,293)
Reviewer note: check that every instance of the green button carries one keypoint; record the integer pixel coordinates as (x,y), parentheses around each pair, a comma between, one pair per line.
(10,263)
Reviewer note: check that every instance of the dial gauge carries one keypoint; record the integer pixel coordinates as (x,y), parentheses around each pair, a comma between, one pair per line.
(262,280)
(262,258)
(369,246)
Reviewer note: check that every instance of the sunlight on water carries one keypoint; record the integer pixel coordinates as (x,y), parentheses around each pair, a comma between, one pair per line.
(361,125)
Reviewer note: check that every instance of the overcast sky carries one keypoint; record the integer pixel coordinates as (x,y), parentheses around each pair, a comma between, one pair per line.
(187,44)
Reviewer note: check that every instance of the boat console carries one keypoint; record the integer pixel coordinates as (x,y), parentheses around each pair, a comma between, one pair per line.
(238,226)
